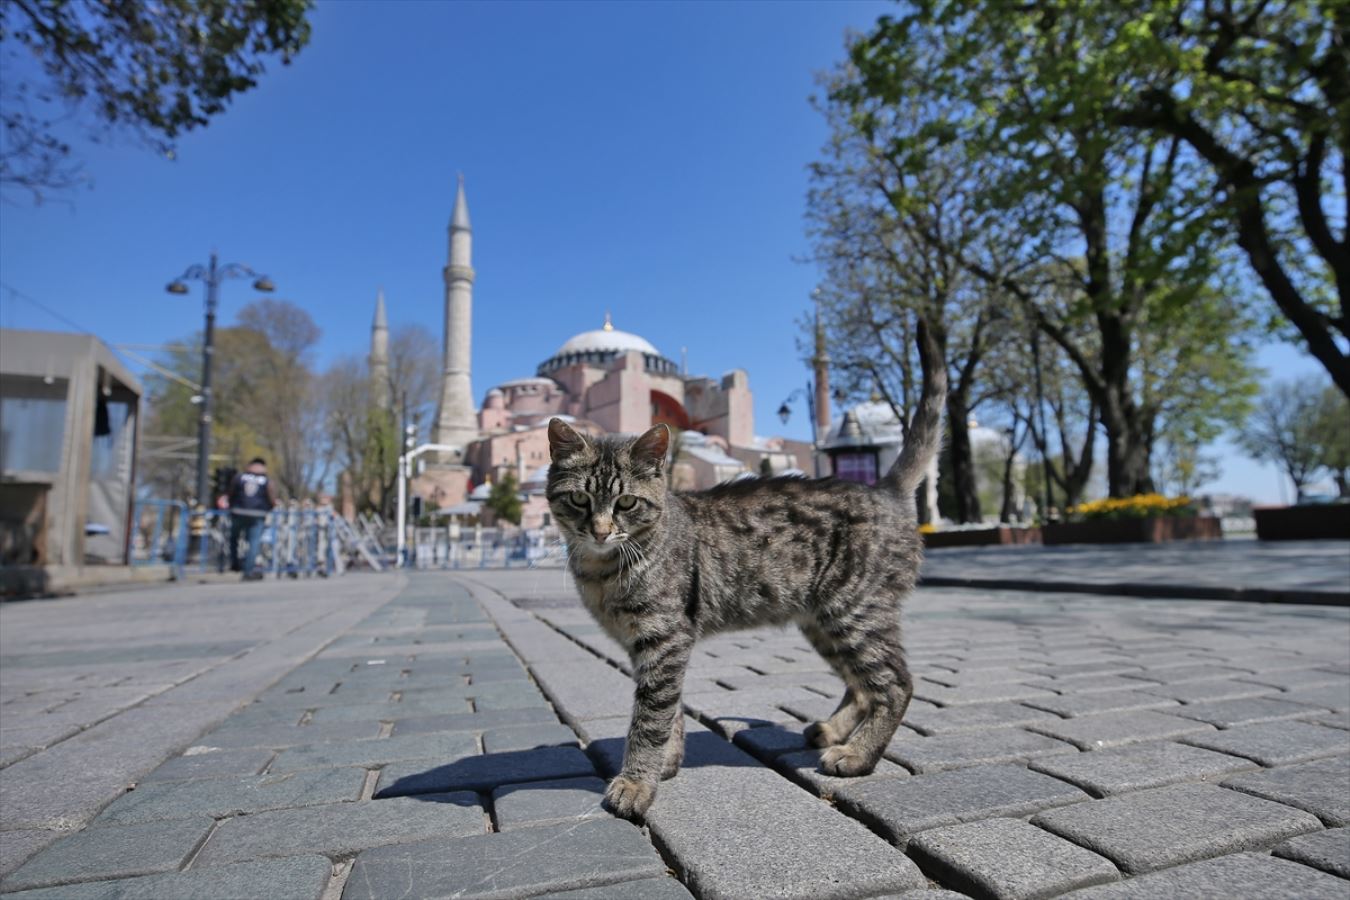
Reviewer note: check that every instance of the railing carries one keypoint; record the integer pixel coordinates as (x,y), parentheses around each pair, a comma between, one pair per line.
(293,541)
(160,534)
(438,548)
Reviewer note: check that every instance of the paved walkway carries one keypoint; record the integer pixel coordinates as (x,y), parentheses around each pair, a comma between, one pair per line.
(447,734)
(1235,568)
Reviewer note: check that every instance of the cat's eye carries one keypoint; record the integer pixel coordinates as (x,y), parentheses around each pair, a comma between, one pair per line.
(579,498)
(625,501)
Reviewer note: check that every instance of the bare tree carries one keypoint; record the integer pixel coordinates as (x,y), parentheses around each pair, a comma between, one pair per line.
(1283,429)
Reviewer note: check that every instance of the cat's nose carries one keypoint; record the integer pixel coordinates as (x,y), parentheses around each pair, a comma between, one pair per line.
(601,531)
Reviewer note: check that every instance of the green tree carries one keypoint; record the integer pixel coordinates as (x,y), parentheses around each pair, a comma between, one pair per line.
(504,499)
(1090,221)
(1256,93)
(154,70)
(1283,429)
(1331,435)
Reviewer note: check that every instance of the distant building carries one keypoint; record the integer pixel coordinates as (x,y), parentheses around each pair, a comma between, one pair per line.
(605,380)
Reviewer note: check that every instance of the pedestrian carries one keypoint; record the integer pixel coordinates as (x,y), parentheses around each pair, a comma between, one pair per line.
(252,496)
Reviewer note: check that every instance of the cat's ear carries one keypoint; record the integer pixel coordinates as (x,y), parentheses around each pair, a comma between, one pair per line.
(563,440)
(650,449)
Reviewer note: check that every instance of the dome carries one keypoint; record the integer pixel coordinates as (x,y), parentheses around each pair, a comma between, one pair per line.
(606,339)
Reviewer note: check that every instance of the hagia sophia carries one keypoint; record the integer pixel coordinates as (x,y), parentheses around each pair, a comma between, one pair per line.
(604,380)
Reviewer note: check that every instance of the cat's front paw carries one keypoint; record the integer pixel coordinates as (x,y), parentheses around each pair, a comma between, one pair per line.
(628,797)
(820,734)
(844,760)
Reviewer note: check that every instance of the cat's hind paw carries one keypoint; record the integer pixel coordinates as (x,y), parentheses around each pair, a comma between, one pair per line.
(628,797)
(843,760)
(820,734)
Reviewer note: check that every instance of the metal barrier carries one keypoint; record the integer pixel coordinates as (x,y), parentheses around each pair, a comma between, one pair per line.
(163,539)
(432,548)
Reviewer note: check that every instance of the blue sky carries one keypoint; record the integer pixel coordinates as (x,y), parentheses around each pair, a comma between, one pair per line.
(643,158)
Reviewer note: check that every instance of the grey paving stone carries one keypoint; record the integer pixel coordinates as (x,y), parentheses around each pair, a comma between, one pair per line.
(1339,720)
(546,802)
(481,773)
(341,829)
(1227,713)
(1321,788)
(1007,859)
(978,693)
(646,889)
(1092,684)
(902,807)
(232,795)
(478,721)
(976,717)
(1099,667)
(1202,672)
(210,764)
(1237,875)
(953,751)
(1326,850)
(517,863)
(527,737)
(1168,826)
(446,746)
(1118,728)
(1295,679)
(1105,701)
(19,844)
(280,736)
(773,740)
(958,675)
(1276,743)
(295,878)
(1140,766)
(113,851)
(715,815)
(1201,691)
(803,767)
(1333,696)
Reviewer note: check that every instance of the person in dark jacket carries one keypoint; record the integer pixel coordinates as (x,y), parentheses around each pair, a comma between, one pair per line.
(252,496)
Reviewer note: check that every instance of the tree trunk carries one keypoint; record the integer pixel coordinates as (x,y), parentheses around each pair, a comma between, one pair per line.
(1009,511)
(1127,454)
(965,495)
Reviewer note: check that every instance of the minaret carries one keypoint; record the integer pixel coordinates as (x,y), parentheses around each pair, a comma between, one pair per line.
(821,363)
(379,355)
(455,419)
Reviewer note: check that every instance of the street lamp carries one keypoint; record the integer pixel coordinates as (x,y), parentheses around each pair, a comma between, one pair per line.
(212,274)
(785,412)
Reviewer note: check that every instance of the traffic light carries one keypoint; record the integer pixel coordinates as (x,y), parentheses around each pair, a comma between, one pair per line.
(416,508)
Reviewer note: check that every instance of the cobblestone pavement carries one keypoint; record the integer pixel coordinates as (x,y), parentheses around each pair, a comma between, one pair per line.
(1301,571)
(447,734)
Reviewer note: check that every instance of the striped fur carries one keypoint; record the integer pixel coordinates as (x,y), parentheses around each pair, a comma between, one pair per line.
(658,570)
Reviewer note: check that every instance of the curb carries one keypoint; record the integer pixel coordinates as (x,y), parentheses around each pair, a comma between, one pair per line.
(1147,591)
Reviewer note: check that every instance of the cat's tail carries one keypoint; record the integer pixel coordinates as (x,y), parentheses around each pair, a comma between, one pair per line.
(925,429)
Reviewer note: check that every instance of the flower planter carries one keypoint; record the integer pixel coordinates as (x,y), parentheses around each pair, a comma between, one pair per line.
(1133,531)
(1303,523)
(980,537)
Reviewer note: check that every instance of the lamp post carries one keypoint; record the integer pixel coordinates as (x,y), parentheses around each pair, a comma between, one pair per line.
(785,412)
(212,274)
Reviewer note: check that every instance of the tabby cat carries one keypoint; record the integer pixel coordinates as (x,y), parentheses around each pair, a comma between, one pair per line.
(660,569)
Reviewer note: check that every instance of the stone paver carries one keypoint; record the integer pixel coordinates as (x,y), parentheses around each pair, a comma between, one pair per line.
(1117,729)
(1238,875)
(1141,766)
(112,851)
(1228,713)
(1007,859)
(953,751)
(479,773)
(1322,787)
(1168,826)
(341,829)
(207,764)
(159,800)
(438,745)
(590,853)
(546,802)
(646,889)
(1326,850)
(297,877)
(1276,743)
(899,808)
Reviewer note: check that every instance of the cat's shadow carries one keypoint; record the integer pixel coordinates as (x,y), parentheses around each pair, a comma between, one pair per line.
(546,768)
